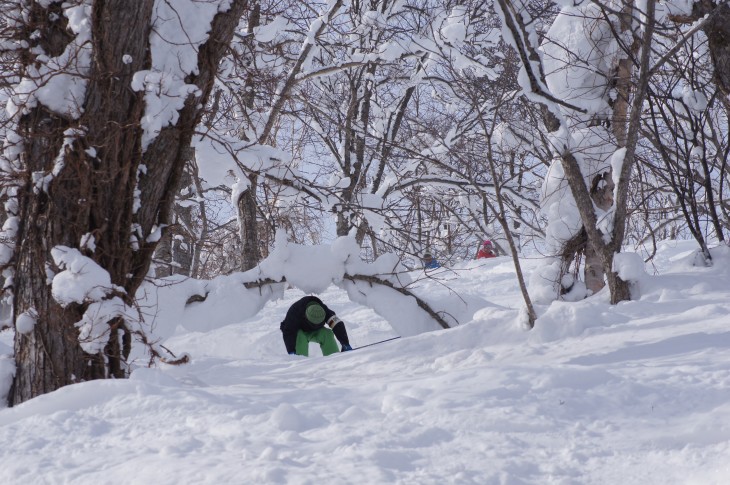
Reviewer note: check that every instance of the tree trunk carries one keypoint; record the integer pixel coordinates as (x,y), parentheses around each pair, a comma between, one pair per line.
(163,256)
(247,209)
(602,195)
(602,185)
(247,202)
(717,31)
(95,192)
(514,23)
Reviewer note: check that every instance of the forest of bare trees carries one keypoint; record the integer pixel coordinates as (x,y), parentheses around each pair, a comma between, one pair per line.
(393,123)
(181,144)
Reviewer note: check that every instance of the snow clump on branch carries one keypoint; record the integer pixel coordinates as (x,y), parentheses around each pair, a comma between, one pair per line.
(178,31)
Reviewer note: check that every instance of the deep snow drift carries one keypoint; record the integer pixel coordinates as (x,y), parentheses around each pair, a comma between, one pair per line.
(595,394)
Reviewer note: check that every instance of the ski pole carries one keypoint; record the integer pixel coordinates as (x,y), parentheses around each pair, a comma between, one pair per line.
(376,343)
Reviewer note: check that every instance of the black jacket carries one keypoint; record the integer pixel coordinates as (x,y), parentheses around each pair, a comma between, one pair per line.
(296,320)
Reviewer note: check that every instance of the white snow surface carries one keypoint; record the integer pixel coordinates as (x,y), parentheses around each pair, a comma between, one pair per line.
(636,393)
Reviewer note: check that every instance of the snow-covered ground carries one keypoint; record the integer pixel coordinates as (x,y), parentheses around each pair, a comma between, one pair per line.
(637,393)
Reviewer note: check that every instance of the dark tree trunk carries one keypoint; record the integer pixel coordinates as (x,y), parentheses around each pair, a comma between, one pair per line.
(717,31)
(247,211)
(248,205)
(95,192)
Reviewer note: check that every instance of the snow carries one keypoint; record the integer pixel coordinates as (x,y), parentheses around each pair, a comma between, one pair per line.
(25,322)
(59,83)
(390,51)
(454,29)
(178,30)
(695,100)
(272,30)
(629,393)
(88,242)
(81,280)
(578,56)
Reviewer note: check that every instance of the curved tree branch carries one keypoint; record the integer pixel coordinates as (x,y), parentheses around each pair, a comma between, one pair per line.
(373,280)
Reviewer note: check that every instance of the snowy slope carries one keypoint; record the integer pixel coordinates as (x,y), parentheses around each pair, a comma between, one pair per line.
(637,393)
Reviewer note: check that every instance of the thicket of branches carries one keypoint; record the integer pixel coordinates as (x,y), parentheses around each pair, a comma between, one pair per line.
(400,120)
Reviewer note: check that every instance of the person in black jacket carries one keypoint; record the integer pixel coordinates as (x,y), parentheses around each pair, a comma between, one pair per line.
(305,322)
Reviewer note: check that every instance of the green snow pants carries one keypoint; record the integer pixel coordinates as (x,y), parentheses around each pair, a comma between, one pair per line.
(324,337)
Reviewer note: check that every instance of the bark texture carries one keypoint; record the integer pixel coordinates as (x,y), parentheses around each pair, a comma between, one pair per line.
(717,31)
(247,222)
(95,194)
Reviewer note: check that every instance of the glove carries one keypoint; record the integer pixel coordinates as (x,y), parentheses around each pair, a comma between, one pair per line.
(346,347)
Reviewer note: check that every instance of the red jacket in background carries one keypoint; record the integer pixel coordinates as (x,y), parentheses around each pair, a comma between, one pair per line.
(485,253)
